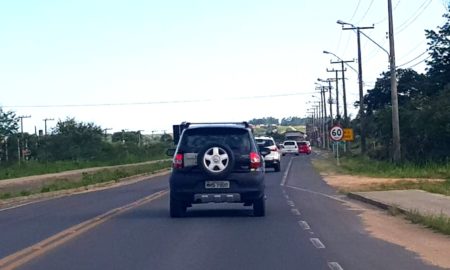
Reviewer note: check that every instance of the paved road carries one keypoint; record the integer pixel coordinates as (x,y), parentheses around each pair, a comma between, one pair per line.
(307,227)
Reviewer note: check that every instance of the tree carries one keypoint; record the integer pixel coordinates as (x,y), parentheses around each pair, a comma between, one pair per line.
(71,140)
(264,121)
(439,65)
(8,123)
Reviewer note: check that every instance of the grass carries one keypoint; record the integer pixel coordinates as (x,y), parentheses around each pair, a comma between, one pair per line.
(375,168)
(439,223)
(380,169)
(98,177)
(37,168)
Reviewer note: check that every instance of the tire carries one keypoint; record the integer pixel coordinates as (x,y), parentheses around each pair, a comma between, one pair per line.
(277,167)
(259,207)
(219,168)
(177,208)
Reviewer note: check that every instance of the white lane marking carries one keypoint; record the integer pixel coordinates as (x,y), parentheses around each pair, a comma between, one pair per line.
(283,181)
(311,232)
(335,266)
(304,225)
(290,203)
(317,243)
(318,193)
(295,212)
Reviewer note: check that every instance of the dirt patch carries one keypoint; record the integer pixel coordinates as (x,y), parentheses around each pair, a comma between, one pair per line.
(432,248)
(362,183)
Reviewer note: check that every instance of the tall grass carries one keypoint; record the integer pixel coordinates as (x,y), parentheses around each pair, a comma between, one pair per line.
(33,167)
(106,175)
(376,168)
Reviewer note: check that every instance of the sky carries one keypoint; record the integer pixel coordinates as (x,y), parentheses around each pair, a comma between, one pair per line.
(146,65)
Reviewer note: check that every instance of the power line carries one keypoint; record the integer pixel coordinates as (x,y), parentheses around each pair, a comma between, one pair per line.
(423,60)
(414,17)
(412,60)
(156,102)
(386,17)
(354,12)
(367,11)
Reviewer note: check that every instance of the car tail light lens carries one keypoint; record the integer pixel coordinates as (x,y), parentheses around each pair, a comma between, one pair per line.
(255,160)
(273,149)
(178,161)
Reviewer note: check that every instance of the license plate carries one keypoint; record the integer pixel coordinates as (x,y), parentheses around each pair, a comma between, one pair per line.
(217,184)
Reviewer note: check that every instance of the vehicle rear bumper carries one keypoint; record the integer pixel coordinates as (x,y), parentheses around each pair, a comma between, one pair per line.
(190,188)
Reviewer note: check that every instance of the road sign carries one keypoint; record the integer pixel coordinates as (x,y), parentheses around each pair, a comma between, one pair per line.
(348,135)
(336,133)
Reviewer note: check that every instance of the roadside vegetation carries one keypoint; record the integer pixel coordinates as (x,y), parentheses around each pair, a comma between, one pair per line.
(72,145)
(99,177)
(439,223)
(432,177)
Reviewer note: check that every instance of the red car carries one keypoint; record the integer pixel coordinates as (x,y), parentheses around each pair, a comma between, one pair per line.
(304,147)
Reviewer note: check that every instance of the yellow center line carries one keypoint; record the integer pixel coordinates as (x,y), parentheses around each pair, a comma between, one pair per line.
(25,255)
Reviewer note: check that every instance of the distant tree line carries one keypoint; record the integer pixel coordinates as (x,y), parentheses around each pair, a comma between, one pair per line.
(285,121)
(75,141)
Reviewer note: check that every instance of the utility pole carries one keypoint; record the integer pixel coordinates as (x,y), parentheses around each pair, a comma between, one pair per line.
(139,136)
(360,76)
(336,71)
(324,119)
(19,142)
(394,97)
(342,62)
(105,132)
(45,124)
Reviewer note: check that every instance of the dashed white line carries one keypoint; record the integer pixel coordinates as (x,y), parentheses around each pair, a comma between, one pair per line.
(283,181)
(335,266)
(336,198)
(317,243)
(304,225)
(295,212)
(290,203)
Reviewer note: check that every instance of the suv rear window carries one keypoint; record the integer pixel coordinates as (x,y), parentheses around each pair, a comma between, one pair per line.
(289,143)
(195,139)
(264,142)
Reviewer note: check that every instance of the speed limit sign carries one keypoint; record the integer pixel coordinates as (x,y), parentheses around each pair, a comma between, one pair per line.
(336,133)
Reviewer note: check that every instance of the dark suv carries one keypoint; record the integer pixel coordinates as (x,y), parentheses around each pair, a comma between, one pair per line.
(218,163)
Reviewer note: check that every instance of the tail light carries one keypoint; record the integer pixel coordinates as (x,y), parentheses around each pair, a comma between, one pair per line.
(178,161)
(273,149)
(255,160)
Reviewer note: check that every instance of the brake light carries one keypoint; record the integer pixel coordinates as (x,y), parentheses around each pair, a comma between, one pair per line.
(178,161)
(255,160)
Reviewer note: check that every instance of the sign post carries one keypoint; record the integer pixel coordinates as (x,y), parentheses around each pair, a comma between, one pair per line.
(336,134)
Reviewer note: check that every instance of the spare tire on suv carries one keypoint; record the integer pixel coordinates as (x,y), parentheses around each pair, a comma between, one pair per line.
(216,160)
(216,163)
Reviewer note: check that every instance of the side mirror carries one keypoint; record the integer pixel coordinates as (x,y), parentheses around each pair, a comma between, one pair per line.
(170,152)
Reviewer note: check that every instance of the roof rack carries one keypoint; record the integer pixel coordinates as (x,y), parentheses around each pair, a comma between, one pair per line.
(244,123)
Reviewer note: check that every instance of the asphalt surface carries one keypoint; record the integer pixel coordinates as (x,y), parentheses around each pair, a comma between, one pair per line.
(307,226)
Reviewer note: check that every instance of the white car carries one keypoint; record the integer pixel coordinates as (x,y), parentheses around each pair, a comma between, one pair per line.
(289,147)
(271,160)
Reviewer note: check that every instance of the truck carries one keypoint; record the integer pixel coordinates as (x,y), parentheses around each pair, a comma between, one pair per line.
(294,136)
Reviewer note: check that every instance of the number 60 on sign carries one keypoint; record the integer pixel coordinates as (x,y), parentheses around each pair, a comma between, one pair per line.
(336,133)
